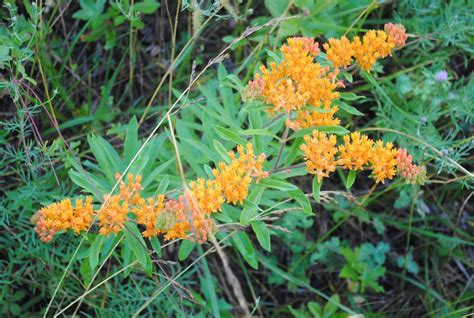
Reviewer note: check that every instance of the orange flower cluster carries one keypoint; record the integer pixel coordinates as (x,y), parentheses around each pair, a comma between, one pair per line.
(62,216)
(235,178)
(114,212)
(357,153)
(374,44)
(190,213)
(412,173)
(339,51)
(397,32)
(296,82)
(320,154)
(383,159)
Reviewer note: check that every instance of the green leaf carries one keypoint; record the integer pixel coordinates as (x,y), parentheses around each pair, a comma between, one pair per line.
(317,189)
(155,244)
(134,238)
(331,306)
(350,96)
(276,7)
(246,249)
(315,309)
(220,149)
(85,270)
(276,58)
(90,9)
(131,141)
(250,209)
(350,179)
(260,132)
(348,76)
(337,130)
(348,109)
(163,185)
(229,134)
(302,200)
(263,234)
(146,6)
(277,184)
(94,251)
(185,249)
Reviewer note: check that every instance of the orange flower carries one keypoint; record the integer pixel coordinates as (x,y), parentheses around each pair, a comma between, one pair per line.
(234,179)
(397,33)
(297,80)
(306,119)
(374,45)
(208,195)
(113,215)
(383,161)
(412,173)
(131,191)
(182,217)
(355,153)
(319,154)
(147,213)
(62,216)
(339,51)
(83,213)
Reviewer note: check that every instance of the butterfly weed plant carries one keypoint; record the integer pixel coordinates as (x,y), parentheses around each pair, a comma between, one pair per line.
(247,163)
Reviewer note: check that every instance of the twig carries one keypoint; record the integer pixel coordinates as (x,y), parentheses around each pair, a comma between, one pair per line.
(236,287)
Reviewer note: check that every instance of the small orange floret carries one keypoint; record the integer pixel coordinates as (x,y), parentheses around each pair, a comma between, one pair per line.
(306,119)
(383,161)
(113,215)
(374,45)
(62,216)
(356,151)
(397,32)
(208,195)
(411,172)
(147,213)
(339,51)
(320,154)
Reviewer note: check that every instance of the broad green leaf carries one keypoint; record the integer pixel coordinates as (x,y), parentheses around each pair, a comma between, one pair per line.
(220,149)
(260,132)
(263,234)
(134,238)
(155,244)
(317,189)
(348,76)
(131,145)
(276,7)
(85,270)
(229,134)
(163,185)
(90,9)
(348,109)
(277,184)
(250,209)
(276,58)
(94,251)
(146,6)
(185,249)
(331,306)
(350,179)
(302,200)
(350,96)
(246,249)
